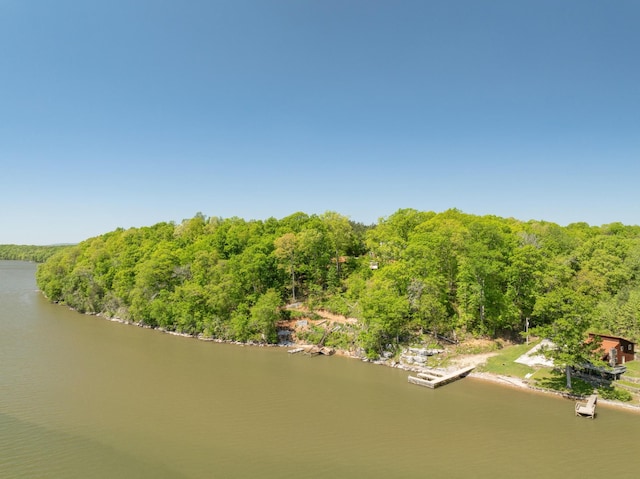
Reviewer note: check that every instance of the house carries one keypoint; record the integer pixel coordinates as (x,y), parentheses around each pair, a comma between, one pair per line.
(615,350)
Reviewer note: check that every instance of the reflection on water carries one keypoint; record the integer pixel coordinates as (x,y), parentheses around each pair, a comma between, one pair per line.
(84,397)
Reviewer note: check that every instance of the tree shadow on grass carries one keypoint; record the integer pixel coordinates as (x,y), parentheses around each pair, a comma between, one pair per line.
(581,387)
(557,381)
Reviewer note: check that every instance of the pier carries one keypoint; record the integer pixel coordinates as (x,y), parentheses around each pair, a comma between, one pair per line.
(433,379)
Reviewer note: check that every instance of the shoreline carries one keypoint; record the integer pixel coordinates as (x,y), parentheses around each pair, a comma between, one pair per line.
(496,379)
(517,383)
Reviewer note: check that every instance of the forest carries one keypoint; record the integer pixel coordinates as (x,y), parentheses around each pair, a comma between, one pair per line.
(413,273)
(37,254)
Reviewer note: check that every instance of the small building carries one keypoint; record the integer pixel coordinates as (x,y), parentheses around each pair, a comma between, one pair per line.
(615,350)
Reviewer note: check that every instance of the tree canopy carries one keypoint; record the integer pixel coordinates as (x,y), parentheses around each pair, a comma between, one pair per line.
(37,254)
(448,273)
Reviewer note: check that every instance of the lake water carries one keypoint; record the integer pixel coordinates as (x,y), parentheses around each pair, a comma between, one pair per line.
(82,397)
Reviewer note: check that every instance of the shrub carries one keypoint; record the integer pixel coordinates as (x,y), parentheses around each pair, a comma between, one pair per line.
(615,394)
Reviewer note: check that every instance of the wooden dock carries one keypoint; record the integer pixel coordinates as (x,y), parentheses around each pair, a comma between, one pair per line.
(433,379)
(587,409)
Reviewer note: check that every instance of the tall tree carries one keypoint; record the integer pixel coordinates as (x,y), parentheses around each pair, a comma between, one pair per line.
(340,235)
(264,316)
(286,252)
(571,348)
(481,277)
(384,313)
(524,275)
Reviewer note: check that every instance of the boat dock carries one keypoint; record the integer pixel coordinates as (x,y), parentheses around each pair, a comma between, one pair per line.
(433,379)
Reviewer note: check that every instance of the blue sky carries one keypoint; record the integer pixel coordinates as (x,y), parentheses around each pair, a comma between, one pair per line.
(130,112)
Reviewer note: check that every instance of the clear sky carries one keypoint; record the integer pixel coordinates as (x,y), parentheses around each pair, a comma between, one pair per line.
(125,113)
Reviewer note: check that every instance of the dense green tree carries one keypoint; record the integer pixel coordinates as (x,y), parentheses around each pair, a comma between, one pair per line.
(384,310)
(264,316)
(390,237)
(434,255)
(428,307)
(288,257)
(340,236)
(524,275)
(451,273)
(620,315)
(315,256)
(37,254)
(569,336)
(482,277)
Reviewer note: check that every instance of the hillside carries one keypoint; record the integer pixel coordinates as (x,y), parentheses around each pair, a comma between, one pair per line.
(414,273)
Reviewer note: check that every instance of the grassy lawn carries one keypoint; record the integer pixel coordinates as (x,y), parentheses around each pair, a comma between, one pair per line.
(557,381)
(628,383)
(547,378)
(503,363)
(633,369)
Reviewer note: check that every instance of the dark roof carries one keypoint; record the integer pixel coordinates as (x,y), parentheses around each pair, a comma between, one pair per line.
(608,336)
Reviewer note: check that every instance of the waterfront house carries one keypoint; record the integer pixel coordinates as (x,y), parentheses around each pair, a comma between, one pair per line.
(615,350)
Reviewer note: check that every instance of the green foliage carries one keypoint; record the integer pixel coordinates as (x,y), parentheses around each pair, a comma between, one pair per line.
(37,254)
(414,272)
(569,335)
(614,394)
(344,339)
(264,315)
(557,382)
(312,335)
(384,315)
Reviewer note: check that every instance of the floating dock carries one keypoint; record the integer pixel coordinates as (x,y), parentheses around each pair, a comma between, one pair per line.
(433,379)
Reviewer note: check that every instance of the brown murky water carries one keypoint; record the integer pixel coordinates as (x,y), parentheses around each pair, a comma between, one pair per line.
(81,397)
